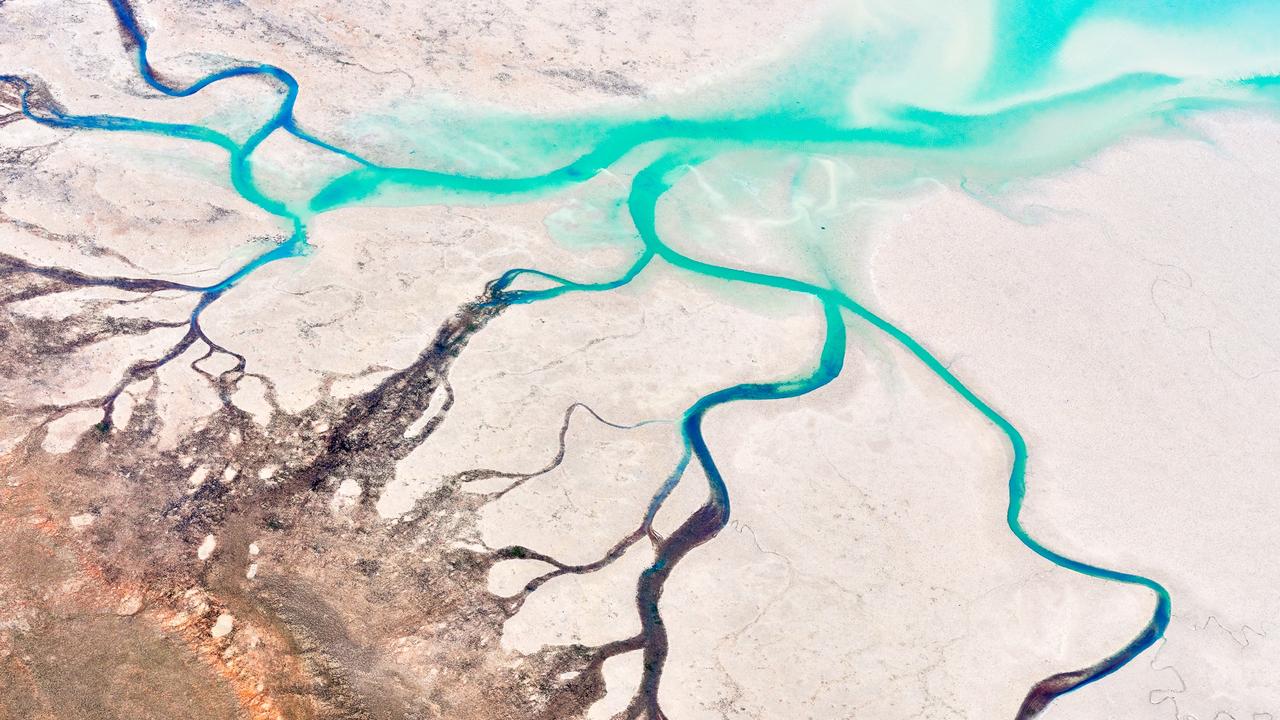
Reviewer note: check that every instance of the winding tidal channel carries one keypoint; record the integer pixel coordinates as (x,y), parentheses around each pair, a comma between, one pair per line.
(1012,125)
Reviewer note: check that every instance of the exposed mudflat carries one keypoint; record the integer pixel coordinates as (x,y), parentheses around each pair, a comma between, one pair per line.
(622,361)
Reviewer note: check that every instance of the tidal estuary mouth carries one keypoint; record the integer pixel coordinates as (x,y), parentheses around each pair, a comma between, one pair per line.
(147,551)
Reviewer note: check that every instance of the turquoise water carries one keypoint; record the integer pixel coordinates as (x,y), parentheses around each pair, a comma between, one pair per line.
(1000,89)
